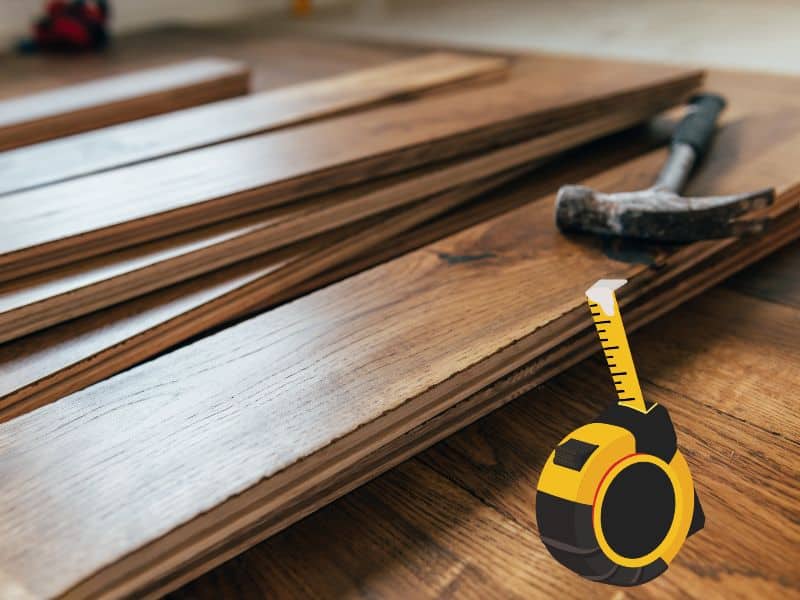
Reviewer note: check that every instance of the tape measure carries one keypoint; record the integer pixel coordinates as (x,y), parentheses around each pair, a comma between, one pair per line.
(615,500)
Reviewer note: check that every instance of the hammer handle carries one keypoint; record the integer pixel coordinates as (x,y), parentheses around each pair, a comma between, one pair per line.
(697,128)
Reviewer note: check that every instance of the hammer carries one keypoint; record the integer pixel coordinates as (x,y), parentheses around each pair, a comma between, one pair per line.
(660,213)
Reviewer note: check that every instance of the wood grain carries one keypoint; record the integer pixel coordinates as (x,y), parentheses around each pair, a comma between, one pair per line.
(50,364)
(81,107)
(338,376)
(464,412)
(41,300)
(75,219)
(498,470)
(179,131)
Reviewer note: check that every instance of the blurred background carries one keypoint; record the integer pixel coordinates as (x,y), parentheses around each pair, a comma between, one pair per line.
(733,33)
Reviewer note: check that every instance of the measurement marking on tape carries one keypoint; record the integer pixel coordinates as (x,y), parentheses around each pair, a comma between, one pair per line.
(614,341)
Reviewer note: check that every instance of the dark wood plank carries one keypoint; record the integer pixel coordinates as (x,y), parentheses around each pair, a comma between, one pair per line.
(776,280)
(179,131)
(91,105)
(99,213)
(48,365)
(32,303)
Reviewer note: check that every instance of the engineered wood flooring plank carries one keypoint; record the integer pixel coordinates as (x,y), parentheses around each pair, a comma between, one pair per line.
(179,131)
(41,300)
(81,107)
(45,366)
(276,58)
(75,219)
(374,388)
(39,369)
(775,281)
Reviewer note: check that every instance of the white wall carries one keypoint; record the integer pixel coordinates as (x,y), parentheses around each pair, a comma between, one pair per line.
(757,34)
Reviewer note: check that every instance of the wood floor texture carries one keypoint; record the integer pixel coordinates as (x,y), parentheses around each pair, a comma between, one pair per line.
(179,131)
(32,118)
(75,219)
(277,413)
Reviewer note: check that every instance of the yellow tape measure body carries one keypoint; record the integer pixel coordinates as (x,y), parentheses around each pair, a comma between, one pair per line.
(615,500)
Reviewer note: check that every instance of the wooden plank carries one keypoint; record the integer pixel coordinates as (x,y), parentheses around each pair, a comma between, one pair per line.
(162,135)
(774,281)
(38,301)
(81,107)
(64,222)
(337,377)
(43,367)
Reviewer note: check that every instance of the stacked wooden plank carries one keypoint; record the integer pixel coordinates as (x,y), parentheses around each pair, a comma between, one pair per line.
(221,269)
(81,107)
(169,468)
(179,131)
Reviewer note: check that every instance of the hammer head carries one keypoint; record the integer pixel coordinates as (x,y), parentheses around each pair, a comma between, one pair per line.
(659,214)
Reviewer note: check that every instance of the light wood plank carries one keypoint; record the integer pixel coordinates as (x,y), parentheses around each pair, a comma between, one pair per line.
(81,107)
(179,131)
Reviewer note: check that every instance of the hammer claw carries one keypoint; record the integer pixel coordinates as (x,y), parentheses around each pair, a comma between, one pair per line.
(736,204)
(660,213)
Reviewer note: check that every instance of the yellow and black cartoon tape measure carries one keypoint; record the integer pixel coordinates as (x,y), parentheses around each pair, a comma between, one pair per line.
(615,500)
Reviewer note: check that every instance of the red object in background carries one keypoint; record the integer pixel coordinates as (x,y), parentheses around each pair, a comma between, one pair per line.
(70,25)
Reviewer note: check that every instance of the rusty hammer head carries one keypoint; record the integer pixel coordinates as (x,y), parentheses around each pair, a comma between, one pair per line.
(660,213)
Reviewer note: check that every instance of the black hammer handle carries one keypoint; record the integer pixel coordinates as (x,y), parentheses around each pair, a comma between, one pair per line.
(697,128)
